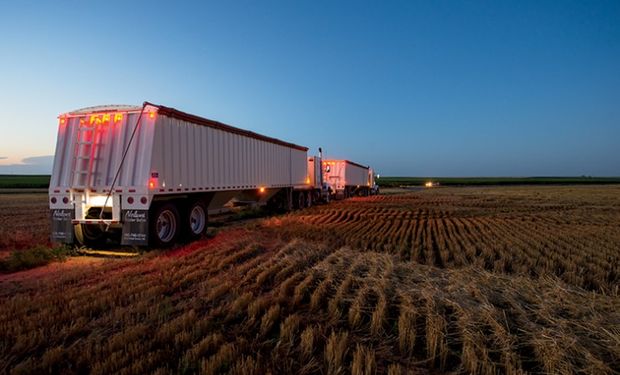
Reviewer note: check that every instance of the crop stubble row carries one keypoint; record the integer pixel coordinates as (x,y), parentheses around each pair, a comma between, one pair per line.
(299,307)
(572,239)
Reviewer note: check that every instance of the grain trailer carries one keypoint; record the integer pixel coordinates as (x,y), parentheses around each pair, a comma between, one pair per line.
(149,175)
(346,178)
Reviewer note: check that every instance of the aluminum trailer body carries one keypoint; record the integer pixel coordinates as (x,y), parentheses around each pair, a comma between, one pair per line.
(115,167)
(346,178)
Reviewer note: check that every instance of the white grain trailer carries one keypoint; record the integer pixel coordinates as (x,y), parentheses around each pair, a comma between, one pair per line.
(346,178)
(149,175)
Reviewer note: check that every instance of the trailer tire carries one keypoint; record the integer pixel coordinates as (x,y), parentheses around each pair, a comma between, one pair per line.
(300,200)
(89,235)
(164,225)
(196,218)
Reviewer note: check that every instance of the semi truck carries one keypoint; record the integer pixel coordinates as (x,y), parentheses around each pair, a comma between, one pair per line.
(149,175)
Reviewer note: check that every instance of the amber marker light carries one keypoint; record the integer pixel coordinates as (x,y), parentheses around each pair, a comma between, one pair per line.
(261,190)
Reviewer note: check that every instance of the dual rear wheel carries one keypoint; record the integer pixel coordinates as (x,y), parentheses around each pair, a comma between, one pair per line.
(168,225)
(303,199)
(90,235)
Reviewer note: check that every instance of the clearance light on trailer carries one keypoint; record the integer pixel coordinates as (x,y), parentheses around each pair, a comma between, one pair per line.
(62,120)
(151,115)
(105,118)
(261,190)
(308,180)
(94,119)
(154,180)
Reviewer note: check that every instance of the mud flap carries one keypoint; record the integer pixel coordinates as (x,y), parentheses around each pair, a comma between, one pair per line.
(135,227)
(62,227)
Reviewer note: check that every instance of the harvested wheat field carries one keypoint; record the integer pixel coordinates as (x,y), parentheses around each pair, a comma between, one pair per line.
(458,280)
(23,221)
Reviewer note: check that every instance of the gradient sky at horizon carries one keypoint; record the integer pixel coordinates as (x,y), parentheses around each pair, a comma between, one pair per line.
(451,88)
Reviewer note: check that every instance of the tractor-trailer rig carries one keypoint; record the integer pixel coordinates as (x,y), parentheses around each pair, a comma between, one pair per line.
(149,175)
(346,178)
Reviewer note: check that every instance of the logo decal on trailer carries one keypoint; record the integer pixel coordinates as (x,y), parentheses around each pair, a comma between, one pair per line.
(135,227)
(62,227)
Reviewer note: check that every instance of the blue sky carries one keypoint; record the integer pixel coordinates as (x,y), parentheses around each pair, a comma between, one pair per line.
(437,88)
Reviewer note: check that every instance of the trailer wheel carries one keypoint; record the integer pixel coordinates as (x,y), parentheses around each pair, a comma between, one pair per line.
(196,219)
(301,200)
(164,225)
(90,235)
